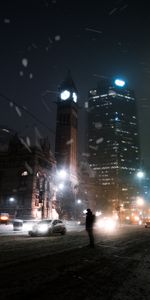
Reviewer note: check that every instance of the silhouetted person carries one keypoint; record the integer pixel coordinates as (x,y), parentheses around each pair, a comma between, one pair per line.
(90,219)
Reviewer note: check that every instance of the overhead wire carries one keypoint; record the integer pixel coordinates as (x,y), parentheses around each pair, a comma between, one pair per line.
(26,111)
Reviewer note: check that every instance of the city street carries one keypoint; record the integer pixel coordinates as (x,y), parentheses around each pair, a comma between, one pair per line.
(64,267)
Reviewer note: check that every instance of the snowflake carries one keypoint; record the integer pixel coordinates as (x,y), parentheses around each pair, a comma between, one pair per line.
(24,62)
(100,140)
(28,141)
(69,142)
(98,125)
(21,73)
(11,104)
(18,111)
(57,38)
(6,21)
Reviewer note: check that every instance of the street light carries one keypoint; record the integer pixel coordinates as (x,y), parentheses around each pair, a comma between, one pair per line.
(140,174)
(14,205)
(61,186)
(62,174)
(98,213)
(140,201)
(79,201)
(12,199)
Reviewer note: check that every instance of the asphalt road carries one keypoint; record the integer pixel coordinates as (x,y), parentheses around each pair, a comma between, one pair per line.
(64,267)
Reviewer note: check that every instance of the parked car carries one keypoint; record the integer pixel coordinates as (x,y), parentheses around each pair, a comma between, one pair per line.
(23,225)
(48,227)
(4,218)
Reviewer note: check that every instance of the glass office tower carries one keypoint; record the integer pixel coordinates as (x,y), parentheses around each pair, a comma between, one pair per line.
(113,143)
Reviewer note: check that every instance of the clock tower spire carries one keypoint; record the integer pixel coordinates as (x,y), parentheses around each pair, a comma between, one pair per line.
(66,141)
(66,127)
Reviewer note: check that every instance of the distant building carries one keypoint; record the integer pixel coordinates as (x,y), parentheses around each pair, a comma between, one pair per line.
(113,143)
(27,185)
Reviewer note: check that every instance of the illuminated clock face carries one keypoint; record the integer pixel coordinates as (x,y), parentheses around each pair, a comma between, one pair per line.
(74,95)
(65,95)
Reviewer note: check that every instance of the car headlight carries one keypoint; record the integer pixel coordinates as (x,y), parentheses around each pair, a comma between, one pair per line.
(43,228)
(110,224)
(100,223)
(27,226)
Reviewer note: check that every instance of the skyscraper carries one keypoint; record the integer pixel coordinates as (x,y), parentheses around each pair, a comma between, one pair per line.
(113,142)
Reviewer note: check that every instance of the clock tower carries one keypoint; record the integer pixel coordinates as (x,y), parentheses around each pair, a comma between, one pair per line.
(66,128)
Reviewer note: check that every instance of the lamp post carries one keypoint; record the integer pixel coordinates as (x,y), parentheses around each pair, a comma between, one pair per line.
(140,176)
(140,201)
(13,202)
(140,204)
(61,182)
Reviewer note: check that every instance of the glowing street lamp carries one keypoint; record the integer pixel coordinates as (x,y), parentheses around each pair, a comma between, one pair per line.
(12,199)
(140,174)
(140,201)
(98,213)
(79,201)
(61,186)
(62,174)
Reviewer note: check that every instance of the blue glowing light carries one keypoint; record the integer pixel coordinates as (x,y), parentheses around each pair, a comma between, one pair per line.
(119,82)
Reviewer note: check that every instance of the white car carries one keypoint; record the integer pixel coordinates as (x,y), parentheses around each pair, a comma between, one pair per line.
(48,227)
(23,225)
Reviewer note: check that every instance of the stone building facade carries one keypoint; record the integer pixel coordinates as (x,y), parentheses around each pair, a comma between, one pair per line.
(27,180)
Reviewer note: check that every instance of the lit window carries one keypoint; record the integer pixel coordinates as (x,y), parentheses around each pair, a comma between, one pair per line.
(25,173)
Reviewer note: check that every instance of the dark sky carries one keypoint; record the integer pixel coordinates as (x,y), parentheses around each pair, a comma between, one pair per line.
(41,39)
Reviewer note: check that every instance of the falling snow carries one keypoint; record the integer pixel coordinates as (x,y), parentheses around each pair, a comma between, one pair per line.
(25,62)
(18,111)
(94,147)
(21,73)
(28,168)
(113,11)
(57,38)
(93,30)
(25,144)
(100,140)
(69,142)
(11,104)
(98,125)
(85,154)
(28,141)
(6,21)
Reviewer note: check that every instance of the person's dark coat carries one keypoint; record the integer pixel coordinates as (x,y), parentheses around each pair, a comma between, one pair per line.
(90,218)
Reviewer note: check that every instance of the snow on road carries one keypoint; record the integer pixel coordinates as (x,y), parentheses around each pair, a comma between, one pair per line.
(63,267)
